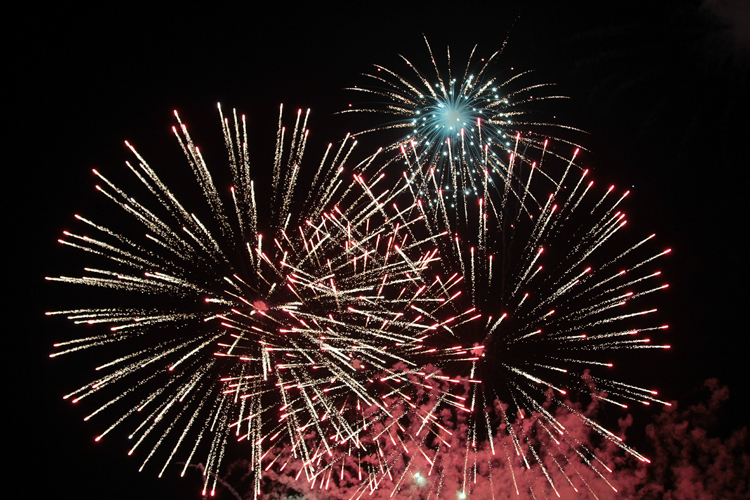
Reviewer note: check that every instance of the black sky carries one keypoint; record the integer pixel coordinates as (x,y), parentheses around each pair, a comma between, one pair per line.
(657,87)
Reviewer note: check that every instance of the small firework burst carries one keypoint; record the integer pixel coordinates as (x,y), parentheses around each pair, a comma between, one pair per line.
(464,123)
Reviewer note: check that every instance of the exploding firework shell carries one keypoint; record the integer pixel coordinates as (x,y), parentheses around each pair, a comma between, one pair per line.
(562,285)
(463,123)
(180,279)
(301,327)
(353,302)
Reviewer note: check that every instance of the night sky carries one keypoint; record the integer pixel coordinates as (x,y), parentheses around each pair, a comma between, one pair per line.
(658,88)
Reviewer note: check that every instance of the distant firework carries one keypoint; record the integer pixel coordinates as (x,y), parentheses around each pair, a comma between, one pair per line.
(463,121)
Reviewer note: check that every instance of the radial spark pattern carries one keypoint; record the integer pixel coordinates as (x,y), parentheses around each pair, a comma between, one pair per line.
(464,122)
(342,337)
(563,285)
(306,306)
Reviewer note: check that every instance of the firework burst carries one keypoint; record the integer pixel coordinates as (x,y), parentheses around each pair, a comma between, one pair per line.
(182,278)
(562,286)
(301,327)
(346,348)
(341,335)
(463,122)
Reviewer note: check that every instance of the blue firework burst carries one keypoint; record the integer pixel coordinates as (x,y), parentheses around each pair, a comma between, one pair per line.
(466,124)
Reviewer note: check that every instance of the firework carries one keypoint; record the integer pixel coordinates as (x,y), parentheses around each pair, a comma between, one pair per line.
(464,122)
(181,279)
(302,329)
(371,331)
(340,332)
(562,285)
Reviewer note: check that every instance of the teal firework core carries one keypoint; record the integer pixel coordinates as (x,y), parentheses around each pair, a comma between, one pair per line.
(467,125)
(458,116)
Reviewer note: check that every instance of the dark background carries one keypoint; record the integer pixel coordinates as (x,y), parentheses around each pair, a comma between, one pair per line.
(659,88)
